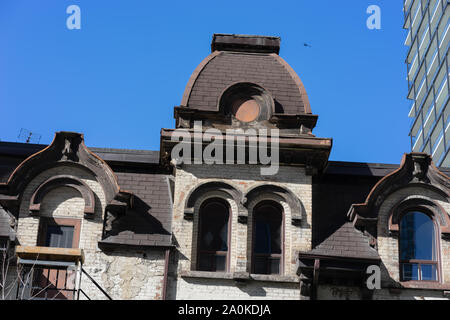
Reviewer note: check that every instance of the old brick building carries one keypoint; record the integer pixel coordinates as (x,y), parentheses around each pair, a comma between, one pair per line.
(212,215)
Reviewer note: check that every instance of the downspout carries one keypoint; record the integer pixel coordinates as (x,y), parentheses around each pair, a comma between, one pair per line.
(315,283)
(171,186)
(166,273)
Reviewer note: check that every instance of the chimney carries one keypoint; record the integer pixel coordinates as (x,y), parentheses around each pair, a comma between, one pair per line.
(245,43)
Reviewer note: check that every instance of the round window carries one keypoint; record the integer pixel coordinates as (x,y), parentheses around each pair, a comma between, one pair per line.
(246,102)
(246,110)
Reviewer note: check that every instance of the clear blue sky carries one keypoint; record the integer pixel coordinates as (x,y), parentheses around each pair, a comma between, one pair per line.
(118,78)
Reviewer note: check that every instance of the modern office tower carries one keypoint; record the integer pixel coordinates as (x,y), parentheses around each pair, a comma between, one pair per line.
(427,72)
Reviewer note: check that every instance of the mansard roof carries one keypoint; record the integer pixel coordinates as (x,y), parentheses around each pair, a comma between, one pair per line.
(416,169)
(66,148)
(252,59)
(13,153)
(341,185)
(149,221)
(143,211)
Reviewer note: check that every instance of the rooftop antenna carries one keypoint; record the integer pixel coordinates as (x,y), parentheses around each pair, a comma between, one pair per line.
(26,136)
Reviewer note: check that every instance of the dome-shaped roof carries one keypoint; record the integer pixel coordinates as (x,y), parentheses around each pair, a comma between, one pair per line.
(251,59)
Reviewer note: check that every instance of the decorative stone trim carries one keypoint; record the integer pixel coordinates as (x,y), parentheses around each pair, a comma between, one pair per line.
(416,169)
(239,276)
(243,217)
(296,219)
(63,181)
(206,275)
(278,194)
(67,148)
(189,214)
(422,285)
(418,202)
(117,208)
(275,278)
(219,189)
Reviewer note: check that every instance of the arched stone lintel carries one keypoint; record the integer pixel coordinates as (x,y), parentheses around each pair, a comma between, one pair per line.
(257,194)
(416,170)
(63,181)
(205,188)
(67,148)
(420,203)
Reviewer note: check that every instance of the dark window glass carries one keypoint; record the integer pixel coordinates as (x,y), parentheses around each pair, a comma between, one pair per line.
(3,245)
(213,236)
(428,272)
(417,237)
(267,247)
(204,262)
(221,263)
(56,283)
(260,265)
(59,236)
(410,271)
(417,247)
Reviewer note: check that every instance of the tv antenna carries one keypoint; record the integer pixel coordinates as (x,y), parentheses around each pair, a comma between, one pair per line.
(26,136)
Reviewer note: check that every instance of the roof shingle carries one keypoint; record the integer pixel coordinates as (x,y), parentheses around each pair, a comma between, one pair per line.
(149,222)
(228,68)
(346,242)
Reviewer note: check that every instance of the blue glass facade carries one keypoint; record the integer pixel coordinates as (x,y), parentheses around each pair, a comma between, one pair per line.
(427,73)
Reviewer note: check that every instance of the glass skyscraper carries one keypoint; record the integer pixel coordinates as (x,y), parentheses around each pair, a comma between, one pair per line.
(427,73)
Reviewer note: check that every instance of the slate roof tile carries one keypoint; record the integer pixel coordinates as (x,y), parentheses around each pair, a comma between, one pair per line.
(230,67)
(347,242)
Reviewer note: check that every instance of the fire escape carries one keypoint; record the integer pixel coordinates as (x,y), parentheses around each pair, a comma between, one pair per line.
(47,273)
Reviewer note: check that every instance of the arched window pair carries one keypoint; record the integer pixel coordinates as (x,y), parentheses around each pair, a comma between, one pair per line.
(418,247)
(214,237)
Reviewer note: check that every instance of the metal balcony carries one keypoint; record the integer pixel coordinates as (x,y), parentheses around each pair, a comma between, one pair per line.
(47,273)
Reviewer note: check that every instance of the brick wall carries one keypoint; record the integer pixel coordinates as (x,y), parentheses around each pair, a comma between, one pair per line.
(124,274)
(388,244)
(220,289)
(242,178)
(409,294)
(330,292)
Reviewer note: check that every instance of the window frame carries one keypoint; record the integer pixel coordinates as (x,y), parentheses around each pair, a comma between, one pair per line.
(44,222)
(227,254)
(279,207)
(437,236)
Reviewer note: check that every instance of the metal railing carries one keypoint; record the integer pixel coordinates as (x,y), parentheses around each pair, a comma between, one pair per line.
(46,280)
(94,282)
(52,280)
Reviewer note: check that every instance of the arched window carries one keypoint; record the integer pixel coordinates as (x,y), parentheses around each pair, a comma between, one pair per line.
(213,236)
(267,257)
(418,247)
